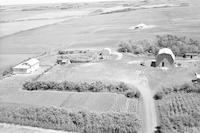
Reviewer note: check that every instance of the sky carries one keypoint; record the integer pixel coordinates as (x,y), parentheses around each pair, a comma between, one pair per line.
(17,2)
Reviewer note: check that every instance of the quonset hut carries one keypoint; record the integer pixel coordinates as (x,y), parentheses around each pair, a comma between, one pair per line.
(165,58)
(26,67)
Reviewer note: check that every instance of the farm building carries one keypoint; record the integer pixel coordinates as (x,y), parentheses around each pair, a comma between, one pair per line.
(165,58)
(104,53)
(189,55)
(26,67)
(63,60)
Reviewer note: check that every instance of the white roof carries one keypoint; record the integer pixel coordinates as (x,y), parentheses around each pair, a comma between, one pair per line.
(166,51)
(32,61)
(140,25)
(108,49)
(28,63)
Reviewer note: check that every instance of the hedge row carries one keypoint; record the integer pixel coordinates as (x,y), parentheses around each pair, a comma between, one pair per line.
(186,88)
(96,86)
(60,119)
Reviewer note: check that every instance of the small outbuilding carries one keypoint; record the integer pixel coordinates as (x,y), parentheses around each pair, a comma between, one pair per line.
(165,58)
(189,55)
(63,60)
(27,67)
(105,52)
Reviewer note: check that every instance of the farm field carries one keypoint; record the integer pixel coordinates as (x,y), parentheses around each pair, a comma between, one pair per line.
(87,101)
(179,112)
(95,102)
(51,28)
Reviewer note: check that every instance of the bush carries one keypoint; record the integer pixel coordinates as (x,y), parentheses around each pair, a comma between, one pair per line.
(158,96)
(76,121)
(132,94)
(96,86)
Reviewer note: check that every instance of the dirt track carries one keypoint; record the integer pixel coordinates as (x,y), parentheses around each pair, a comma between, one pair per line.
(149,119)
(149,105)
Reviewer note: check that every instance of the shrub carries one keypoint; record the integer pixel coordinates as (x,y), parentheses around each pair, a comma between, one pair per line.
(158,96)
(132,94)
(96,86)
(76,121)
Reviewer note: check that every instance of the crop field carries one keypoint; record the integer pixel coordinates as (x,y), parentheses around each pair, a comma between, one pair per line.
(179,112)
(96,102)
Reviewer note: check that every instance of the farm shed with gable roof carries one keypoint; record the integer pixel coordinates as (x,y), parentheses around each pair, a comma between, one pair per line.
(165,58)
(26,67)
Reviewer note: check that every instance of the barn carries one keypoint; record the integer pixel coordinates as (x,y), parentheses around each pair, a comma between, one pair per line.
(26,67)
(165,58)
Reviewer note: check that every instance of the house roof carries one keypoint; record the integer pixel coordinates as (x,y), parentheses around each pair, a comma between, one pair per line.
(166,51)
(32,61)
(28,63)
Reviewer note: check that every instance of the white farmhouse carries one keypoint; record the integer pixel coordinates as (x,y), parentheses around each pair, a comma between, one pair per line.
(26,67)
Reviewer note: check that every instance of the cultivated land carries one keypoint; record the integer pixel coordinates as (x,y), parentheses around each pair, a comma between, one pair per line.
(179,112)
(95,31)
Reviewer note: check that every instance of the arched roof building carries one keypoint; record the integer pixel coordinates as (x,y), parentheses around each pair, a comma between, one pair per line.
(165,58)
